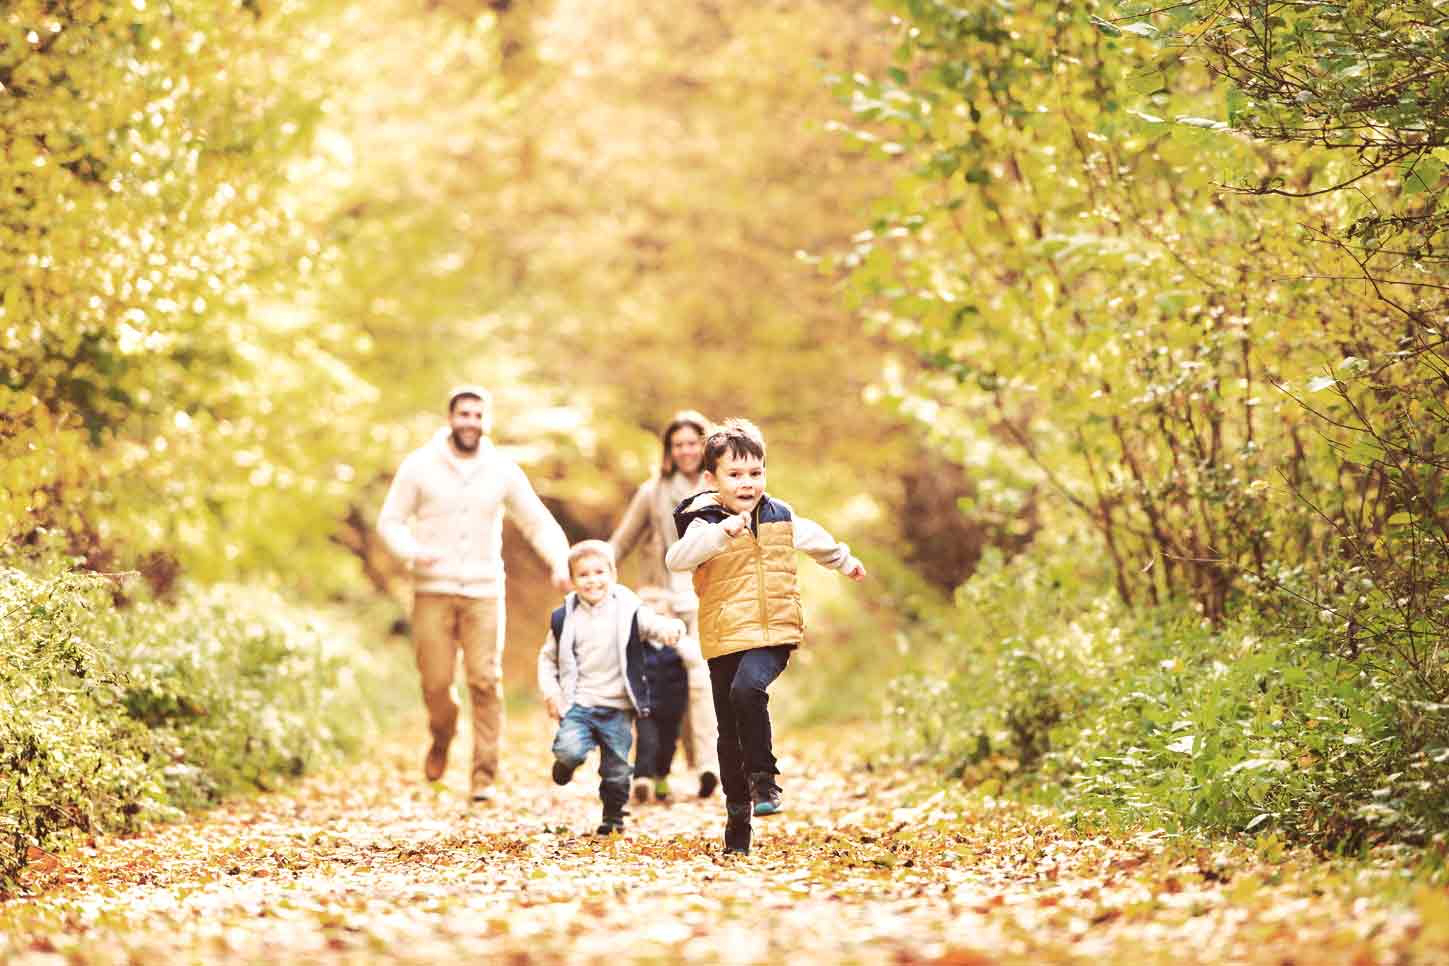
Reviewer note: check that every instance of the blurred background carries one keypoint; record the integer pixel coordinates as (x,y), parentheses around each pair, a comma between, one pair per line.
(1115,352)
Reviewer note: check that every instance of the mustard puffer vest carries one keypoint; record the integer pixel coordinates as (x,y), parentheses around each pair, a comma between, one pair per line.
(748,594)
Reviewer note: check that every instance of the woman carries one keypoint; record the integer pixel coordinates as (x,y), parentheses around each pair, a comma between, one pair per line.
(649,521)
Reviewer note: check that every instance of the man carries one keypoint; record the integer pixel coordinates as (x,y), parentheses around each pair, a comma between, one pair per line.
(444,517)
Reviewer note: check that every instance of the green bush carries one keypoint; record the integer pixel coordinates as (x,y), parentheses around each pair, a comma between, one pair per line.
(118,716)
(1160,718)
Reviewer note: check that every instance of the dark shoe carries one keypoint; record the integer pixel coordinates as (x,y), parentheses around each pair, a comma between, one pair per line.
(766,794)
(482,794)
(437,761)
(562,774)
(610,826)
(737,830)
(708,782)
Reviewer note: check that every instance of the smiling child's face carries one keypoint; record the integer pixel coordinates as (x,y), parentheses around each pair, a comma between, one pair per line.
(740,481)
(593,575)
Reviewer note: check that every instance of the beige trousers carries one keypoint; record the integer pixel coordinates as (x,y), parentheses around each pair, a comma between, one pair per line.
(700,733)
(444,624)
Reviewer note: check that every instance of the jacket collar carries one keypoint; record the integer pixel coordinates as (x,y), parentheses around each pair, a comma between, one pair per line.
(464,465)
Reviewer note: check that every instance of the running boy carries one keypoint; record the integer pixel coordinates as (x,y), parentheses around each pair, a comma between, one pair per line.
(741,545)
(591,673)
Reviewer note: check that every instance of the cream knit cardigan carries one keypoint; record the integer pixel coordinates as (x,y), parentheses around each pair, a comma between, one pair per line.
(452,507)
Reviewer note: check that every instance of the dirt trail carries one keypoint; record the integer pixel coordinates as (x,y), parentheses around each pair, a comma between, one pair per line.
(371,863)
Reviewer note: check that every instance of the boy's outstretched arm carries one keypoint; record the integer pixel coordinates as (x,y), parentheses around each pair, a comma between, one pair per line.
(825,550)
(700,542)
(548,677)
(658,628)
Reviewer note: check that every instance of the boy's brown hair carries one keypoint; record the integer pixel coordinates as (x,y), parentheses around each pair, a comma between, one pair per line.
(738,437)
(592,548)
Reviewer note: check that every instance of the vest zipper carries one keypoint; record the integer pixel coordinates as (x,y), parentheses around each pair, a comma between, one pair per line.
(760,578)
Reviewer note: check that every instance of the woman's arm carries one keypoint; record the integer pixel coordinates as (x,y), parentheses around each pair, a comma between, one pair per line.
(635,524)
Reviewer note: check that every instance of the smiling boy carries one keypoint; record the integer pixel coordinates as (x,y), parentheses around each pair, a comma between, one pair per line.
(591,673)
(740,542)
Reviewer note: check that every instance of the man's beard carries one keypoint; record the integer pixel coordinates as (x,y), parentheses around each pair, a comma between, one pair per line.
(466,446)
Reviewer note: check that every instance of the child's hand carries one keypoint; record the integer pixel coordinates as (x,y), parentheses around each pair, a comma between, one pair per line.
(736,524)
(672,633)
(857,572)
(555,708)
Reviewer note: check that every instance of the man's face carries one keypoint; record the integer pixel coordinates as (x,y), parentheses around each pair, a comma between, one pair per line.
(686,449)
(593,575)
(466,421)
(740,481)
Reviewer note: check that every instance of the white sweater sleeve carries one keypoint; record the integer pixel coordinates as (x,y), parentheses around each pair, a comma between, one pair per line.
(397,509)
(538,525)
(699,543)
(548,668)
(824,549)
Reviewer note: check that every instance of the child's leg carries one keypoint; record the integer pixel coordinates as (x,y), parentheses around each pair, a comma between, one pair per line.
(668,729)
(647,750)
(731,757)
(614,729)
(739,806)
(750,703)
(572,742)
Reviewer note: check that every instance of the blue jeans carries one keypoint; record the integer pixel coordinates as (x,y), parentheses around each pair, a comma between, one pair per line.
(746,744)
(611,730)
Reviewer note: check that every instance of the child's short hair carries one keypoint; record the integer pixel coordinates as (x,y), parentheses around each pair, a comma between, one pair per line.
(738,437)
(591,548)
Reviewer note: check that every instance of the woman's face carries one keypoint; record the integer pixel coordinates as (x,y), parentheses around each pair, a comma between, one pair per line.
(686,449)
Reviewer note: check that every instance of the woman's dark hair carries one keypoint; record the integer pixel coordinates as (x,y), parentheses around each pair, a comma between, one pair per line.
(683,418)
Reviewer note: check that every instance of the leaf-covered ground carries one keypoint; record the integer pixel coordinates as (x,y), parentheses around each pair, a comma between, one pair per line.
(370,862)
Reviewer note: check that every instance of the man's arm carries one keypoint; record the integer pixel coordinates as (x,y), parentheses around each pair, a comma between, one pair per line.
(538,526)
(824,549)
(636,520)
(700,542)
(397,508)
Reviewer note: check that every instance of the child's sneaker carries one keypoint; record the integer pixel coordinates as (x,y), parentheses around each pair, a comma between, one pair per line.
(562,774)
(661,791)
(737,829)
(766,794)
(708,782)
(643,790)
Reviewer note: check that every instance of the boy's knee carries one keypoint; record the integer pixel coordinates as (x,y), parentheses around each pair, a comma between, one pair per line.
(568,757)
(745,696)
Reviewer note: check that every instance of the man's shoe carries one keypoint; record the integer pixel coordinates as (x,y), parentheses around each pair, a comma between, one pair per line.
(766,794)
(737,830)
(562,774)
(643,790)
(437,761)
(610,826)
(708,782)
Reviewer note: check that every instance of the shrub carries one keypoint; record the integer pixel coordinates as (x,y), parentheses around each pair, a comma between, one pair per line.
(118,717)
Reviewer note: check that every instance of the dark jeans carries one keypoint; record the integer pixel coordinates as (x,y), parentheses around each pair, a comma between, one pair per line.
(739,682)
(611,731)
(658,738)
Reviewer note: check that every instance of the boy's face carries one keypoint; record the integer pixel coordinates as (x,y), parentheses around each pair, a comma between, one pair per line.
(740,481)
(593,576)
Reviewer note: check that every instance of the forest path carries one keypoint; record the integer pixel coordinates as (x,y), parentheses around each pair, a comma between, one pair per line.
(368,862)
